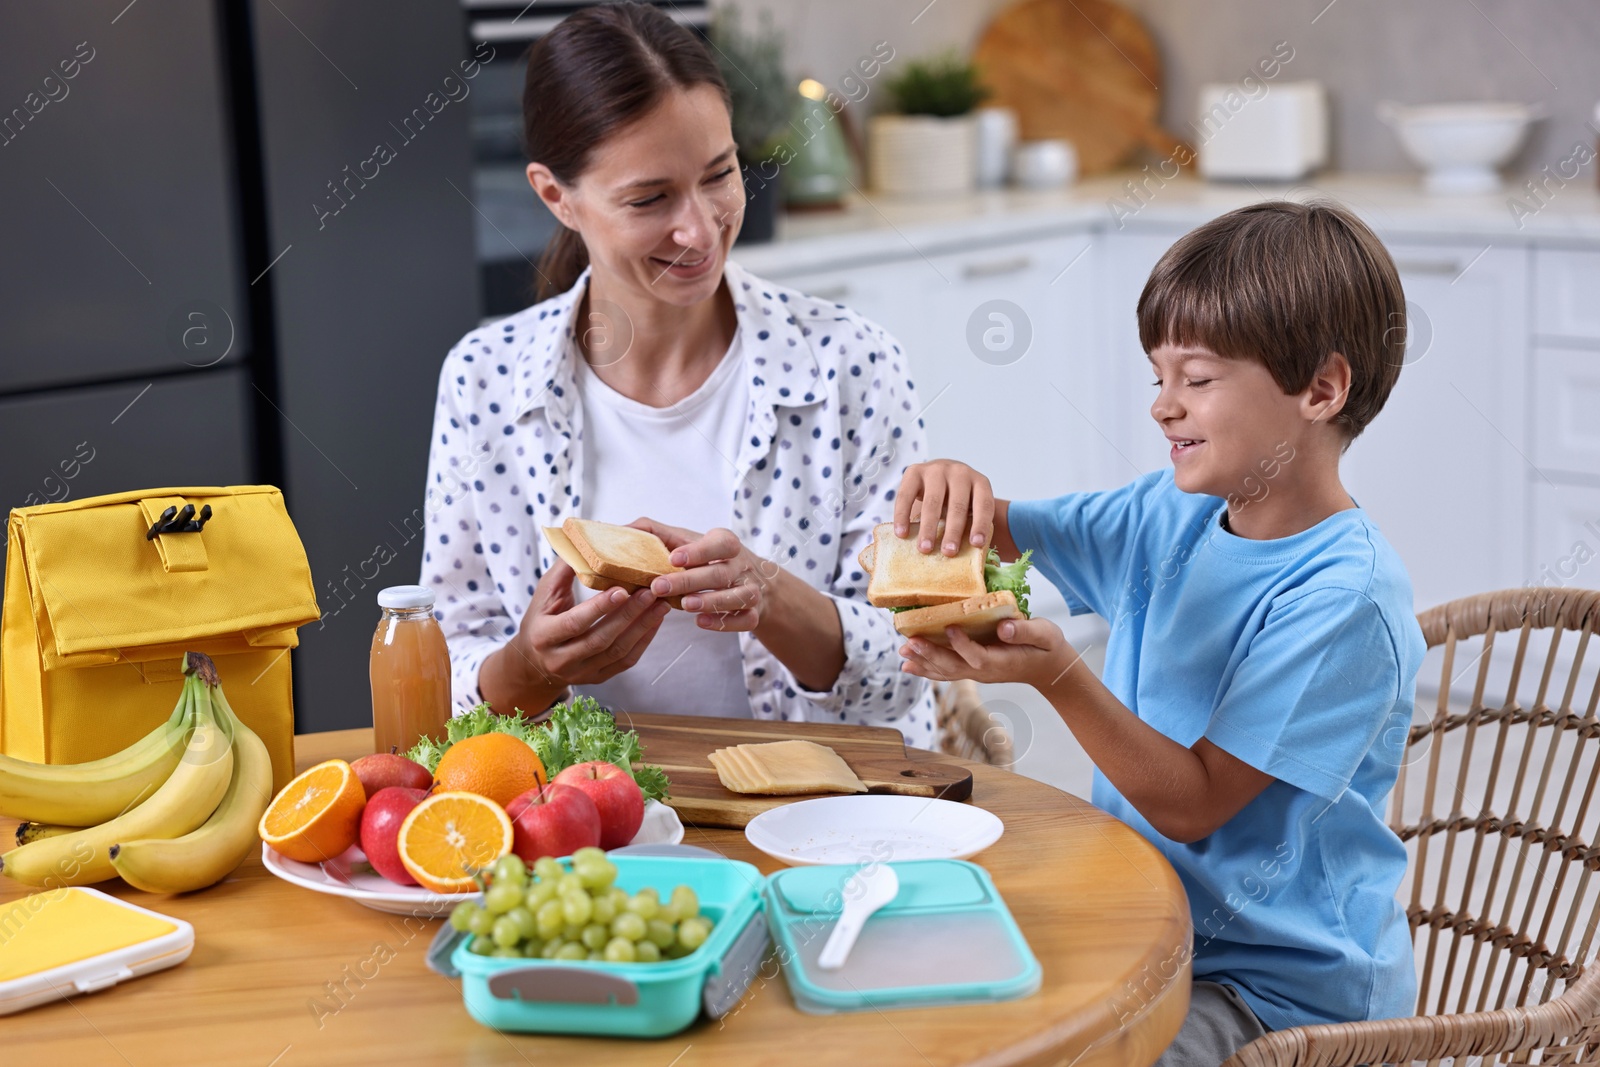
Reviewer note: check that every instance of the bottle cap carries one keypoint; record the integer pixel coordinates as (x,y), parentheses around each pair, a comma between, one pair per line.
(406,597)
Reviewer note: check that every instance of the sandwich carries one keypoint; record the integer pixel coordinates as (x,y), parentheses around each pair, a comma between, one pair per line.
(971,590)
(607,556)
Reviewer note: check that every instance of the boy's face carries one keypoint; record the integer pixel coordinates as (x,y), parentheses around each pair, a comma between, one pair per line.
(1223,418)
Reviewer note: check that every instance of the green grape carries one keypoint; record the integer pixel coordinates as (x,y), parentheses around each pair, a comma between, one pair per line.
(619,898)
(595,936)
(547,868)
(572,950)
(692,933)
(577,907)
(509,868)
(645,904)
(570,884)
(647,952)
(527,925)
(605,909)
(572,932)
(502,897)
(620,950)
(588,854)
(461,916)
(685,903)
(505,952)
(551,947)
(661,933)
(538,893)
(629,925)
(549,919)
(532,949)
(506,932)
(594,874)
(481,922)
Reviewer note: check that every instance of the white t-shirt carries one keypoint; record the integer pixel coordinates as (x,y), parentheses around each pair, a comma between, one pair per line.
(674,464)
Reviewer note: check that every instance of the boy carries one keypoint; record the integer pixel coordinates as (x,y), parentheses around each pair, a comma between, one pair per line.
(1263,651)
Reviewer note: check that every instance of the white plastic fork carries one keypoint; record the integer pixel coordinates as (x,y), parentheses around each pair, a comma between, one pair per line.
(867,890)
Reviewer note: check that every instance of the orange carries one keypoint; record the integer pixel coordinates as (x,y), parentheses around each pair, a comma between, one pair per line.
(497,766)
(450,835)
(316,816)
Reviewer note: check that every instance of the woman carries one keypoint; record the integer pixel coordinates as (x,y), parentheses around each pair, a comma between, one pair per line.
(656,378)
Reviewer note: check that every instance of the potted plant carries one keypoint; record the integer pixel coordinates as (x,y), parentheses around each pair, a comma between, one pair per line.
(752,65)
(928,144)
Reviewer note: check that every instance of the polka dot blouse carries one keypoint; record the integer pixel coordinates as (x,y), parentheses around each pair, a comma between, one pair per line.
(832,424)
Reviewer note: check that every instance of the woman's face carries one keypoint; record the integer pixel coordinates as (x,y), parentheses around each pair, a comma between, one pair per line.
(661,201)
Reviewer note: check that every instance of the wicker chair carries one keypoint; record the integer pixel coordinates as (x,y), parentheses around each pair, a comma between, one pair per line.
(967,728)
(1506,970)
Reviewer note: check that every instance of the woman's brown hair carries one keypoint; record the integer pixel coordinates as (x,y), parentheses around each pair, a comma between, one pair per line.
(1286,285)
(596,72)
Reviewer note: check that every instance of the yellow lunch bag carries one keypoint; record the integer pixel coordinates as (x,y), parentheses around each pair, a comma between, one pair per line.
(104,595)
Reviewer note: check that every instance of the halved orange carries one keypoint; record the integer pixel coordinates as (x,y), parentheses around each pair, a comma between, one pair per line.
(317,815)
(494,765)
(450,835)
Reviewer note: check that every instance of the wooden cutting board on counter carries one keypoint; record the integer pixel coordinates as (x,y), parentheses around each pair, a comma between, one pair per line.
(681,745)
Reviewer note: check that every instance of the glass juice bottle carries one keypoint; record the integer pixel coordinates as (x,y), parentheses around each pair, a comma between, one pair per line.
(410,670)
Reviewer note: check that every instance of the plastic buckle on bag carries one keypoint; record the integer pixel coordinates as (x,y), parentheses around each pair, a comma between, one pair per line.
(174,521)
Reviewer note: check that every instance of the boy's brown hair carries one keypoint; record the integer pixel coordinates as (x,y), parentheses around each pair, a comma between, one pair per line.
(1285,284)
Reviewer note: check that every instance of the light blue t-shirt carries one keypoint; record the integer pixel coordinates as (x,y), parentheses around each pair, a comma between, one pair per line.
(1297,655)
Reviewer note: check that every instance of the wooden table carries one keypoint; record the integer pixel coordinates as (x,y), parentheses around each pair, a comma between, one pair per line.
(281,976)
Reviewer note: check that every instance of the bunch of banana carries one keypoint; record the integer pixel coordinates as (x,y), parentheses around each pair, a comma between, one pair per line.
(196,826)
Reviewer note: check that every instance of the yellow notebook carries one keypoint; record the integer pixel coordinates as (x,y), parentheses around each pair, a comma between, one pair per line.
(64,942)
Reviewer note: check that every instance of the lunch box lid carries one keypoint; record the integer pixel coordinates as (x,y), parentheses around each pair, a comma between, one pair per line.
(946,938)
(69,941)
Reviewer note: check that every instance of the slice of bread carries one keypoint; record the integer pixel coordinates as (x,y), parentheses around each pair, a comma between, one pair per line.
(568,552)
(620,552)
(868,557)
(903,577)
(979,616)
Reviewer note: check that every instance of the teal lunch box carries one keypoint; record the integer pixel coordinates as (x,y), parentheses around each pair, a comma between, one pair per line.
(946,938)
(629,999)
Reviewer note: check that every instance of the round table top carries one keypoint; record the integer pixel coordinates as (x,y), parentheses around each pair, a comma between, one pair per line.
(281,976)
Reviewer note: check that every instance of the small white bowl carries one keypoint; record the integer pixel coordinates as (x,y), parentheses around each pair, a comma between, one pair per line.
(1461,146)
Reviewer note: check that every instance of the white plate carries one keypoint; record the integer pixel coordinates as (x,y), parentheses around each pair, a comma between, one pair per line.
(860,829)
(348,875)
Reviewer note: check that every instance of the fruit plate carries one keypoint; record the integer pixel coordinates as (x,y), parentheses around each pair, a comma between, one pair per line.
(859,829)
(348,875)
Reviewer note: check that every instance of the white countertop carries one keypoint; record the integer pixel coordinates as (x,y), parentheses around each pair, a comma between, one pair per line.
(872,226)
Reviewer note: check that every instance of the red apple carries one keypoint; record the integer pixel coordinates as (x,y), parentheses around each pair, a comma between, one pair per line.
(615,793)
(382,770)
(380,826)
(553,820)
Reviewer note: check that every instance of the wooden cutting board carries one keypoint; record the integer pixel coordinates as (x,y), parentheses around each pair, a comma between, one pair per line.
(1086,71)
(681,745)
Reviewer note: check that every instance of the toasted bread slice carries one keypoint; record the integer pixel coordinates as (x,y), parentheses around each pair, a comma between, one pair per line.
(903,577)
(620,552)
(564,548)
(868,557)
(979,616)
(568,552)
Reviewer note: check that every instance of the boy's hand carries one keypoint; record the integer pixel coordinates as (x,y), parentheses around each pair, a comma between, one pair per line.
(1034,651)
(953,491)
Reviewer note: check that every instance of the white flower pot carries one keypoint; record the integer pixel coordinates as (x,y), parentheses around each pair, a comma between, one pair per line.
(921,155)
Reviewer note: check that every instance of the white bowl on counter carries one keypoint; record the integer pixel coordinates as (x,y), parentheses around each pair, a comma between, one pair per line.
(1461,146)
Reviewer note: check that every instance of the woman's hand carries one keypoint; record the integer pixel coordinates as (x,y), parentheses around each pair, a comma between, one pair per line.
(583,644)
(723,583)
(949,490)
(1033,651)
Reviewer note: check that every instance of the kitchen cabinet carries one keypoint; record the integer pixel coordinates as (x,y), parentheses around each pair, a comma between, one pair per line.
(1566,411)
(1566,281)
(1443,470)
(1565,547)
